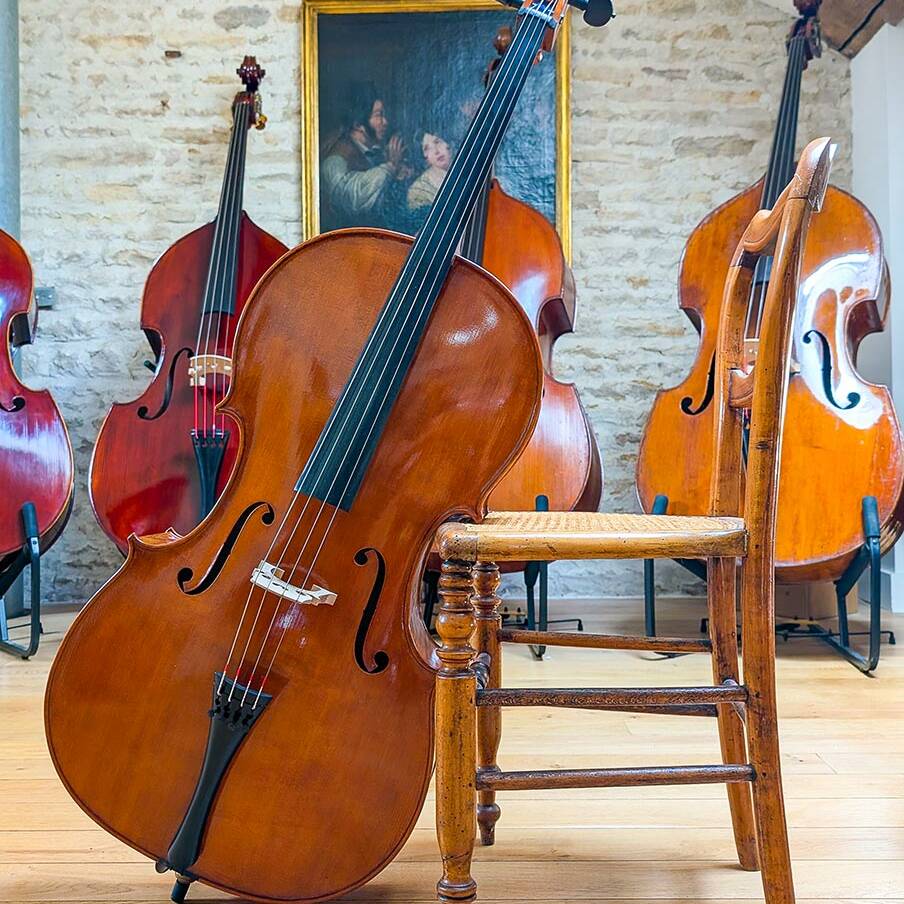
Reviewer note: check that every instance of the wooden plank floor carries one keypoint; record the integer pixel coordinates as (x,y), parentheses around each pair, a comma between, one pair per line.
(843,750)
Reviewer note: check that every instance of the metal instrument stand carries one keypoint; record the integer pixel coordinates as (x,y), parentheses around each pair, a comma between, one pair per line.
(28,557)
(868,557)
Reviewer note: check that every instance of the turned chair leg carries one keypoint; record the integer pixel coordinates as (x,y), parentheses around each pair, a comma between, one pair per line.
(723,632)
(489,718)
(456,734)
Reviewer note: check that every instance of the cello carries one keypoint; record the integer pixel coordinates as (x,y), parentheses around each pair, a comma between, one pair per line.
(842,441)
(36,469)
(161,461)
(265,683)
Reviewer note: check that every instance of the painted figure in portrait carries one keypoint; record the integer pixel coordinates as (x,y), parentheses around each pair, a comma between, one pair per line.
(395,92)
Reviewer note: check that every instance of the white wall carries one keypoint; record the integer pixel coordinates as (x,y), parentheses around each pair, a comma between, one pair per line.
(877,89)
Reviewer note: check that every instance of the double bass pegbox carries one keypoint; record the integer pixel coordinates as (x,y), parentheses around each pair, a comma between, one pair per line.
(808,26)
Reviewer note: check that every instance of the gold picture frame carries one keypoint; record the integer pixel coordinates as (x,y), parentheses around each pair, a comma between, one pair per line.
(312,9)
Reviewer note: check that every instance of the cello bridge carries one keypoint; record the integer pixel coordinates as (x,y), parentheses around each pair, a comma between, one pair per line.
(202,366)
(272,579)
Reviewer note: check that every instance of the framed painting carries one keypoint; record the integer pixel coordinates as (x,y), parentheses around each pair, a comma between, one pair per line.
(389,89)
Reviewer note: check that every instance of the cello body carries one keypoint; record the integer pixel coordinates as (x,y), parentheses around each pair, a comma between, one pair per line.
(144,477)
(842,440)
(562,460)
(35,453)
(336,770)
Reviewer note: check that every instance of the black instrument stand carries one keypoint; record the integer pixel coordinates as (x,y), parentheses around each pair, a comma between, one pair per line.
(28,557)
(868,556)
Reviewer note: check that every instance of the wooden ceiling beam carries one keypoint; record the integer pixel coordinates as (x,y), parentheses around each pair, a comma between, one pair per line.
(848,25)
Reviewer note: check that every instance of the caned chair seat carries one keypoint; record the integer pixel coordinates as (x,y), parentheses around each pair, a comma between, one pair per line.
(534,536)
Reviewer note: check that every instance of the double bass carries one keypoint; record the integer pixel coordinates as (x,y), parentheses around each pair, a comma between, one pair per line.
(562,460)
(161,461)
(842,440)
(35,452)
(260,690)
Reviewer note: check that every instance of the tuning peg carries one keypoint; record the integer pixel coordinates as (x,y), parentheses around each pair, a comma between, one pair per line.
(596,12)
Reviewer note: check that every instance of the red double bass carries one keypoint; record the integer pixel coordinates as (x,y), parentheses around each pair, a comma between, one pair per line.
(162,460)
(35,453)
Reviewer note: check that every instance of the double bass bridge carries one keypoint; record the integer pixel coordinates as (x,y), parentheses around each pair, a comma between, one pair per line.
(200,367)
(272,579)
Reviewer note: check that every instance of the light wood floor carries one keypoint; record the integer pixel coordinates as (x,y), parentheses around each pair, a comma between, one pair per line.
(843,748)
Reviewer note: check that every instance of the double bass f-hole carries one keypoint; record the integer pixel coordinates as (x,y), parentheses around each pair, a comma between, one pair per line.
(143,411)
(17,404)
(687,403)
(826,367)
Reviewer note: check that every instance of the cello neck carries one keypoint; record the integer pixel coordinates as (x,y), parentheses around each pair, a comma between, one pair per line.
(220,290)
(472,245)
(474,241)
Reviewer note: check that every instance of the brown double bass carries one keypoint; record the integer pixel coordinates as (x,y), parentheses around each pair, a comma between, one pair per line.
(842,441)
(35,453)
(519,246)
(259,692)
(162,460)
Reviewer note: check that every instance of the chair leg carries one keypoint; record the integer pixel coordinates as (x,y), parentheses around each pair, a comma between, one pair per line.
(769,804)
(456,734)
(489,718)
(758,606)
(723,632)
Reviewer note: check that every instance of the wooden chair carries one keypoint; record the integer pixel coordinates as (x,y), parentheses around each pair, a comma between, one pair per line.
(739,552)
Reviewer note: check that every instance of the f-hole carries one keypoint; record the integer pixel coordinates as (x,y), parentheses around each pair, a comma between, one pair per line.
(18,404)
(687,403)
(168,392)
(380,658)
(826,367)
(186,574)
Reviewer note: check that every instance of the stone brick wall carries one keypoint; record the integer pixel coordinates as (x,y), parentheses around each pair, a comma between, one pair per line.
(123,147)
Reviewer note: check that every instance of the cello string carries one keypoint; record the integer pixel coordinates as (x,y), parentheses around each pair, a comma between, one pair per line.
(280,596)
(440,226)
(444,228)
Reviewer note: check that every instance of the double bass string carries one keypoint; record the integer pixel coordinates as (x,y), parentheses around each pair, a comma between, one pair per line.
(783,147)
(214,289)
(222,273)
(495,114)
(503,112)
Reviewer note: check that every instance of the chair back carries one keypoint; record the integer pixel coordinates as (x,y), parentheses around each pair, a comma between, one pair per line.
(753,355)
